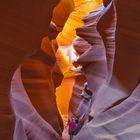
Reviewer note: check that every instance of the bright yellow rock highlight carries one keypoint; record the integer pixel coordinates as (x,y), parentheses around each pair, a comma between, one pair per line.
(82,8)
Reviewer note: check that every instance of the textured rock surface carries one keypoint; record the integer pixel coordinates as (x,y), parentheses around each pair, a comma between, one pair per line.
(76,94)
(96,47)
(29,124)
(40,77)
(127,59)
(61,12)
(121,120)
(22,26)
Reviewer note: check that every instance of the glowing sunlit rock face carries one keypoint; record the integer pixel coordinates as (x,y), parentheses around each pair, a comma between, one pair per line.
(65,53)
(61,13)
(81,9)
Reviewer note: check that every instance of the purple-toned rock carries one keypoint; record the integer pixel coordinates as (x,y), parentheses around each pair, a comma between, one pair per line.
(29,124)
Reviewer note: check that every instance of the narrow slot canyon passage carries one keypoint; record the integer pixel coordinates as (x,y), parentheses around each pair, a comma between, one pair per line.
(70,70)
(65,55)
(63,96)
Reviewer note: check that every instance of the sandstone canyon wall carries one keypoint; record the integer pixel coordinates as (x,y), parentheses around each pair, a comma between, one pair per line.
(22,25)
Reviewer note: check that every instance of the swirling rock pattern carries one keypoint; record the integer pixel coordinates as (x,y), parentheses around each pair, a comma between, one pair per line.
(41,75)
(120,121)
(22,25)
(29,124)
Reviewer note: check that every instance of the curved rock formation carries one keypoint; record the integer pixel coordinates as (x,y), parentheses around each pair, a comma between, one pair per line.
(29,124)
(127,59)
(111,112)
(61,13)
(81,9)
(22,26)
(94,57)
(65,38)
(98,33)
(76,94)
(40,80)
(121,120)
